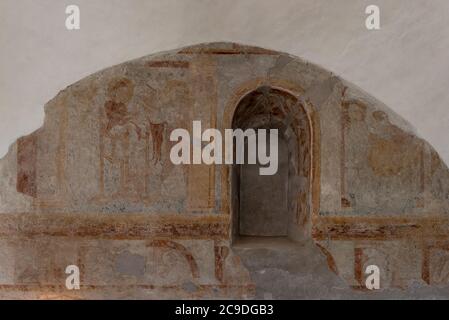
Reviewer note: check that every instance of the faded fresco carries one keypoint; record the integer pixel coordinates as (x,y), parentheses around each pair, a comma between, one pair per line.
(94,186)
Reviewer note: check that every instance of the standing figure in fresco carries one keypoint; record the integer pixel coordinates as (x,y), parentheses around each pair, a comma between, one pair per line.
(123,145)
(126,136)
(157,133)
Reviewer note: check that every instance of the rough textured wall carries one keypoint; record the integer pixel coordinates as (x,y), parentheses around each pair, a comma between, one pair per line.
(104,145)
(97,176)
(403,64)
(383,167)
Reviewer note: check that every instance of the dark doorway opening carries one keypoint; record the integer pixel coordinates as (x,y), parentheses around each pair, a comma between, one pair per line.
(276,205)
(263,198)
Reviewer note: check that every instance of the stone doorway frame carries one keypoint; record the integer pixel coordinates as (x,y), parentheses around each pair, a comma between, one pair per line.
(314,124)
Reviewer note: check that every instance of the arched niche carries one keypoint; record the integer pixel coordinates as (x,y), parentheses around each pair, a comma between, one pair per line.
(278,205)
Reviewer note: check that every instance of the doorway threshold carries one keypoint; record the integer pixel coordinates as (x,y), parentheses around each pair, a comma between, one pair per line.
(255,242)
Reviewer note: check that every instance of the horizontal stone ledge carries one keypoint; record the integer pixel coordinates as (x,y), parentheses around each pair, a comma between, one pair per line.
(137,291)
(381,228)
(115,226)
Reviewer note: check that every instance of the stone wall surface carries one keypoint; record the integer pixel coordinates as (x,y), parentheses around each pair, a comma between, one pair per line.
(94,186)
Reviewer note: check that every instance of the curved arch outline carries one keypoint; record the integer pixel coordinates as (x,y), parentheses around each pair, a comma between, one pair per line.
(299,93)
(179,248)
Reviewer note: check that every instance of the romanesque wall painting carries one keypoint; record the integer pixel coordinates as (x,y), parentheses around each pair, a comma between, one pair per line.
(201,178)
(134,146)
(95,186)
(389,153)
(26,165)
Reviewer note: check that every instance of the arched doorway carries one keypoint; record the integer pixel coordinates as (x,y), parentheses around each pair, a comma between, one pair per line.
(277,205)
